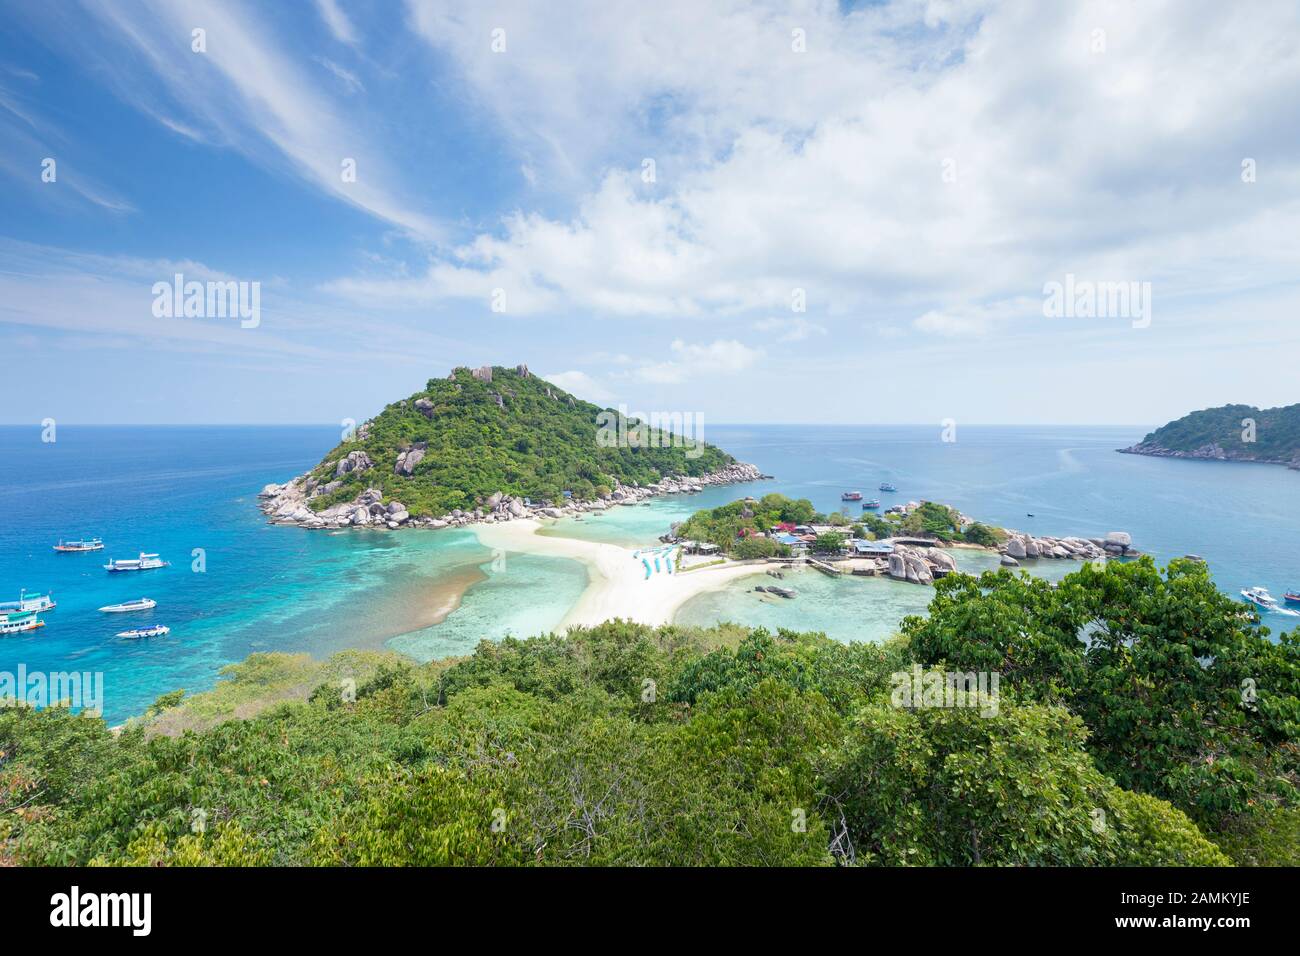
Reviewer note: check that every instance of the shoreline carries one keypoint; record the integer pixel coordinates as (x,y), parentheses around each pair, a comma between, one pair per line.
(288,504)
(1212,452)
(616,582)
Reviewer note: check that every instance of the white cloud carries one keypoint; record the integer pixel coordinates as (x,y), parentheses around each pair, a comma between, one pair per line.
(349,79)
(721,357)
(790,330)
(248,91)
(580,384)
(826,171)
(337,21)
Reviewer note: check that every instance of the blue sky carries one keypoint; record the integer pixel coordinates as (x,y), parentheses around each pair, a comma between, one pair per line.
(911,173)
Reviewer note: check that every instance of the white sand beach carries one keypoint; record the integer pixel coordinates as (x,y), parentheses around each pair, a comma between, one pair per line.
(617,584)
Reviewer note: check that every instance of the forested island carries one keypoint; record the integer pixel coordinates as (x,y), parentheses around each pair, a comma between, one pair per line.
(1229,433)
(489,443)
(1168,737)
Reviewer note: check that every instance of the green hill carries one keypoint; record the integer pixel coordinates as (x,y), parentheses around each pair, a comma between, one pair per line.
(479,432)
(1226,433)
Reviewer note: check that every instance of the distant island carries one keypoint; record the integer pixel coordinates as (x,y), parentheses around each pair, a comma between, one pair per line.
(1229,433)
(495,443)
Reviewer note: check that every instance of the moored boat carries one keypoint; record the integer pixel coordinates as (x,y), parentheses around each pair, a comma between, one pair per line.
(74,547)
(155,630)
(886,486)
(19,621)
(28,602)
(143,563)
(1292,597)
(144,604)
(871,505)
(851,496)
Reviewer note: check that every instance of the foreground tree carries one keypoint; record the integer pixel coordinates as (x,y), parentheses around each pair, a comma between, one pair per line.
(1184,697)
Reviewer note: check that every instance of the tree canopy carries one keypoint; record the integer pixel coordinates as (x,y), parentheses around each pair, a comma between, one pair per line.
(1121,736)
(516,434)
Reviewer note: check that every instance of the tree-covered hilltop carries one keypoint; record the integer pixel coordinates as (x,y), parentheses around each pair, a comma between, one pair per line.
(625,744)
(1232,432)
(476,433)
(733,526)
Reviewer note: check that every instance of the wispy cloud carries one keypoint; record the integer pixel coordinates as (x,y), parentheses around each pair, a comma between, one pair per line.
(251,93)
(337,21)
(346,77)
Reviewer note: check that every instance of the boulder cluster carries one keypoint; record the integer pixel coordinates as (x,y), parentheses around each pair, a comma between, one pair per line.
(1020,545)
(288,503)
(919,565)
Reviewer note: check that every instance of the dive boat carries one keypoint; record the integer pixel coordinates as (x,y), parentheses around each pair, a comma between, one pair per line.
(886,486)
(144,604)
(21,621)
(1261,598)
(154,630)
(851,496)
(870,505)
(73,547)
(143,563)
(28,602)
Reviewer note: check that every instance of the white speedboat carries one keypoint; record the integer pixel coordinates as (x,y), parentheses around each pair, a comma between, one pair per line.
(1262,599)
(28,602)
(144,604)
(19,622)
(143,563)
(156,630)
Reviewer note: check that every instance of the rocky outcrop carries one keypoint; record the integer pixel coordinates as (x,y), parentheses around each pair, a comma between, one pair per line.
(408,459)
(1020,546)
(288,503)
(355,461)
(1211,451)
(919,565)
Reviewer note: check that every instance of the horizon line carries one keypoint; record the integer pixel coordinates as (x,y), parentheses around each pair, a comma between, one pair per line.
(927,424)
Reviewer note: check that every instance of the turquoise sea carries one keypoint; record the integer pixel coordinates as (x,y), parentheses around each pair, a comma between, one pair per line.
(176,489)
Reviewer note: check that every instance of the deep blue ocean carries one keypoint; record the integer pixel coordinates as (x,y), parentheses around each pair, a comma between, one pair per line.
(172,490)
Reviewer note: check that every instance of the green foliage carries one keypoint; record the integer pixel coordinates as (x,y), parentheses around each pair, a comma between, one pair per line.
(1155,665)
(948,787)
(517,434)
(832,542)
(755,547)
(984,535)
(1264,836)
(615,745)
(1153,833)
(1277,432)
(724,525)
(165,702)
(879,527)
(932,519)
